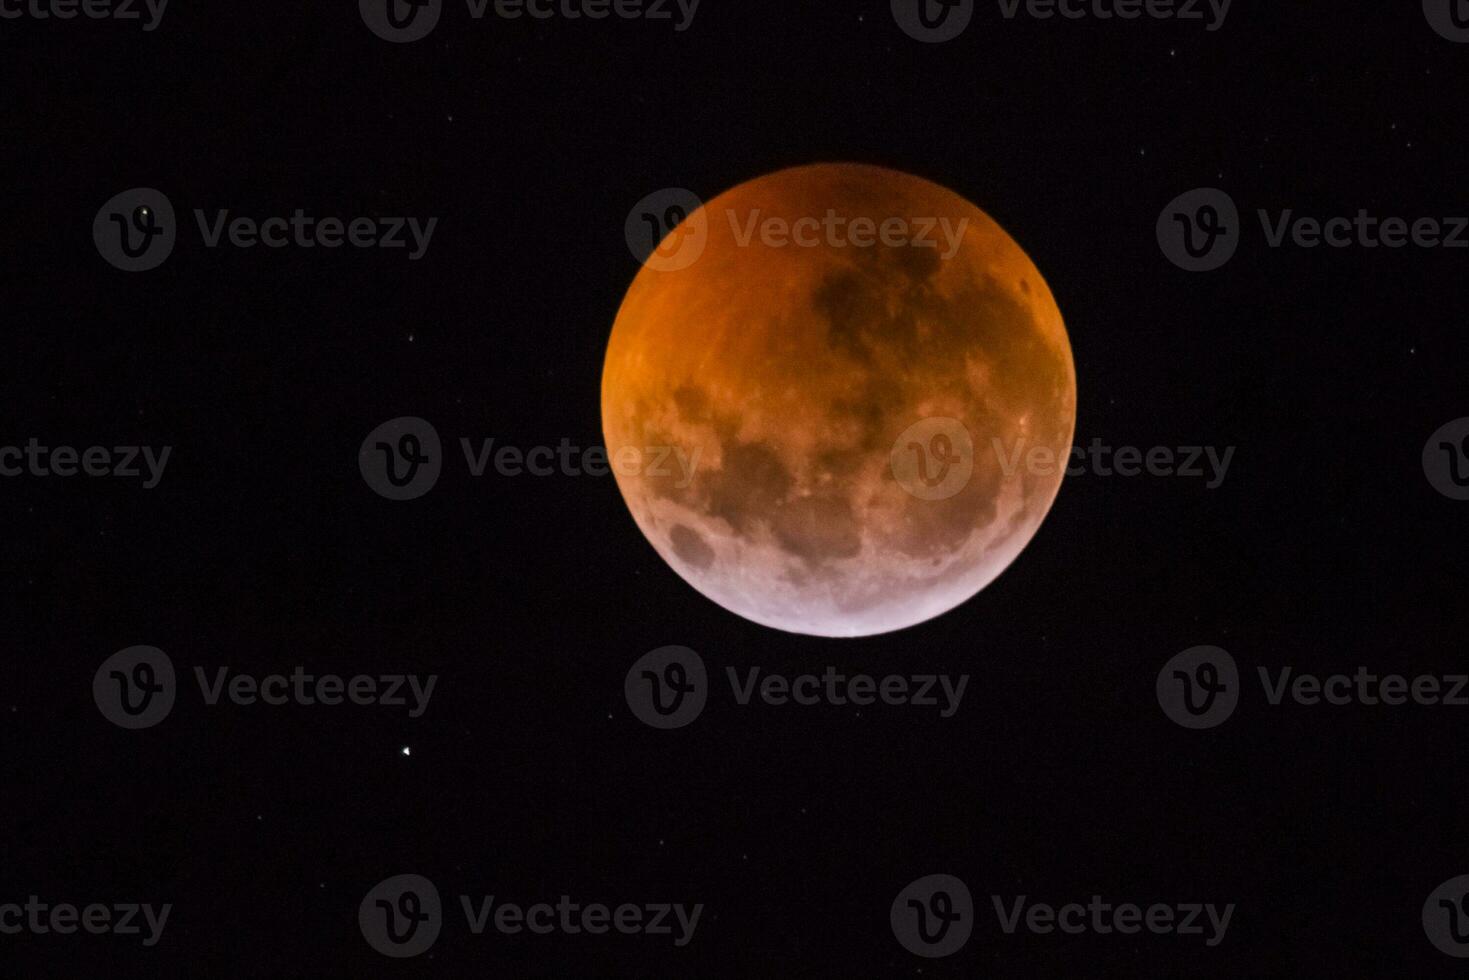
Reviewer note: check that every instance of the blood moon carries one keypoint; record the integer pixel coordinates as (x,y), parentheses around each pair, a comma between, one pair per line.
(858,366)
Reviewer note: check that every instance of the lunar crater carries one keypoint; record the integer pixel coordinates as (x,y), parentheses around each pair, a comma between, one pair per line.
(792,373)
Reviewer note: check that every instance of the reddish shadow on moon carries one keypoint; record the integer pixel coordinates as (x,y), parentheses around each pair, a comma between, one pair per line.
(854,405)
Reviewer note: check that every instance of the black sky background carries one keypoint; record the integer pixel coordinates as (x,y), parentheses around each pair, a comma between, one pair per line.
(262,548)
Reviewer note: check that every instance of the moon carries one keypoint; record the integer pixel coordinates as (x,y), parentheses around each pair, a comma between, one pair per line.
(839,400)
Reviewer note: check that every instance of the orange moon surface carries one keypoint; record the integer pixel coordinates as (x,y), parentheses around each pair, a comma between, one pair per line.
(786,371)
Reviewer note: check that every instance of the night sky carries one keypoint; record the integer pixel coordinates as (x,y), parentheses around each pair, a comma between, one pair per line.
(527,777)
